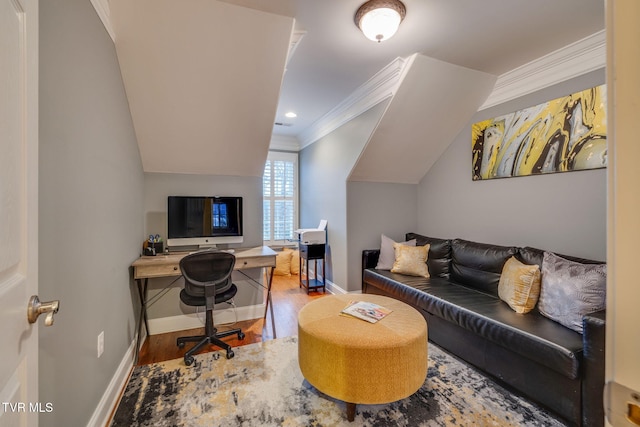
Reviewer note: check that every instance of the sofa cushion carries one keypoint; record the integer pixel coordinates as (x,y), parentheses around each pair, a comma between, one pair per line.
(283,263)
(519,285)
(532,336)
(529,255)
(439,253)
(387,252)
(571,289)
(295,262)
(478,265)
(411,260)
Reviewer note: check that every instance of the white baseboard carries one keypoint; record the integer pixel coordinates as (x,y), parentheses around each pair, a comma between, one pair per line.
(196,320)
(337,290)
(333,288)
(111,396)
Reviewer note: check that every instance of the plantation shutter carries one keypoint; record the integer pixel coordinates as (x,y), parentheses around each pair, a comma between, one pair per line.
(280,182)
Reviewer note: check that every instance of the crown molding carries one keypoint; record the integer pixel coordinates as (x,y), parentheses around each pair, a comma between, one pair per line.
(573,60)
(296,38)
(104,12)
(284,143)
(378,88)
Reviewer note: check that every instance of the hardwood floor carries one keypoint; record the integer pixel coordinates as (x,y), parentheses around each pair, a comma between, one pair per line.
(288,298)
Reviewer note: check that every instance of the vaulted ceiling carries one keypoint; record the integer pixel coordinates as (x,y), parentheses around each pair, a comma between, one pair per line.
(207,79)
(202,79)
(432,102)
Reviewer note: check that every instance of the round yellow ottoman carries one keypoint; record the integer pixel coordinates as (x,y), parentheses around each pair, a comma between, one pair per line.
(360,362)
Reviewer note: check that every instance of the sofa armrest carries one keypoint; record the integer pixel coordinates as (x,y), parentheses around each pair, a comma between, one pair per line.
(593,342)
(369,260)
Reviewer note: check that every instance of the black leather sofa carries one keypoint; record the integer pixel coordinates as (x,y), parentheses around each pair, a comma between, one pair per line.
(531,354)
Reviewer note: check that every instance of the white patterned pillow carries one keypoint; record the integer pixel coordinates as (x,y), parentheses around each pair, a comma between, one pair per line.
(571,289)
(387,252)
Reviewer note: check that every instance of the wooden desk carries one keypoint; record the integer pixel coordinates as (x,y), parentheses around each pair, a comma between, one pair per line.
(149,267)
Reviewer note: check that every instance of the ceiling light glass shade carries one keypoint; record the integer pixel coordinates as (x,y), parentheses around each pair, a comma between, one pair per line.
(379,19)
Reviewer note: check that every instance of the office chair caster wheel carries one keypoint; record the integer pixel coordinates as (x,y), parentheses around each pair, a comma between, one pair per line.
(240,335)
(188,360)
(230,354)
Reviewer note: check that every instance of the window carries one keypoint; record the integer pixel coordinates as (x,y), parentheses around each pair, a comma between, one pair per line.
(220,217)
(280,197)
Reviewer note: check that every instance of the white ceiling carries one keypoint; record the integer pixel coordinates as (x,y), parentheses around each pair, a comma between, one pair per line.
(493,36)
(206,80)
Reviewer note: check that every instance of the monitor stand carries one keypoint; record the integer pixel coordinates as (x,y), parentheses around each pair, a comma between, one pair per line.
(208,247)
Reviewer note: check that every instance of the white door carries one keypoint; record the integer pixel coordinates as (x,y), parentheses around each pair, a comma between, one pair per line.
(623,233)
(18,211)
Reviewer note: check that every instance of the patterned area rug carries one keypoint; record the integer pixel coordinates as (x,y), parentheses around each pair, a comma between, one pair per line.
(263,386)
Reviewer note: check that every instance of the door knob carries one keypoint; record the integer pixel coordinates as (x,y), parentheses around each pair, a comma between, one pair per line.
(36,308)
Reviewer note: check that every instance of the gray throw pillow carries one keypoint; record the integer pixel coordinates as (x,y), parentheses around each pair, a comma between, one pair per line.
(388,254)
(571,289)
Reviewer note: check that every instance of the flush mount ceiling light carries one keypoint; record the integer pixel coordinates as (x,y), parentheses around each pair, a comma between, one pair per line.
(291,115)
(379,19)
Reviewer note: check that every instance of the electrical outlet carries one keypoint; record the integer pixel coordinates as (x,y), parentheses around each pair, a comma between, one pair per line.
(100,343)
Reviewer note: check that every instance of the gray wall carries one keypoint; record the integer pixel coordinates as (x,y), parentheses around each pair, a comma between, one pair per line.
(374,209)
(324,168)
(563,212)
(91,189)
(158,186)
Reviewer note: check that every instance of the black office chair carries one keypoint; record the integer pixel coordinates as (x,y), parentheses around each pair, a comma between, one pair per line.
(207,281)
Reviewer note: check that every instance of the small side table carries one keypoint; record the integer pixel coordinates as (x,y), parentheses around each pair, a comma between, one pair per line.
(312,252)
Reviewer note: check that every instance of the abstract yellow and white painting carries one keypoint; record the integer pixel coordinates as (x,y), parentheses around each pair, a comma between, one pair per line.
(565,134)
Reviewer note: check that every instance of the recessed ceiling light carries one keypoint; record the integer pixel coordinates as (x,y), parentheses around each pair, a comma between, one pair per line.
(291,115)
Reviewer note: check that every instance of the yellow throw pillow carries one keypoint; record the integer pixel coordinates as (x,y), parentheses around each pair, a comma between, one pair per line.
(283,263)
(519,285)
(295,262)
(411,260)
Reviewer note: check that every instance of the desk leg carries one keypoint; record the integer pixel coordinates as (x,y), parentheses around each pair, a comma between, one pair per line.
(142,292)
(269,301)
(143,297)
